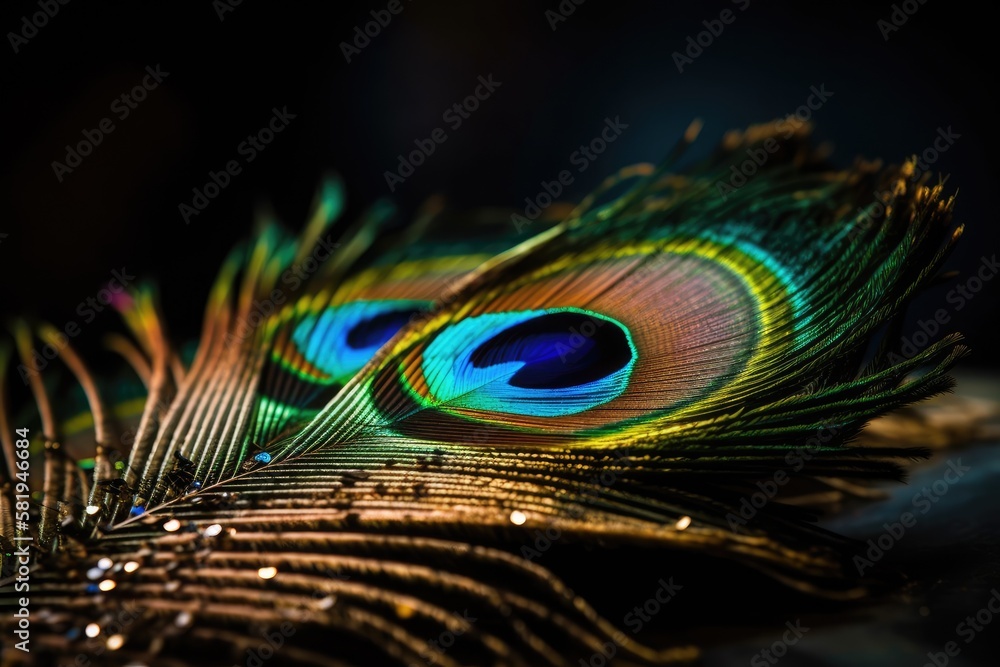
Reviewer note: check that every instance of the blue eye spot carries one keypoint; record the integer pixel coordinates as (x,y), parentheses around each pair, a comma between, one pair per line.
(559,350)
(376,331)
(341,339)
(543,363)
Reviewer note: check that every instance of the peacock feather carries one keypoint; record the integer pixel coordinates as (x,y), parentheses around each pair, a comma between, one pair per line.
(376,425)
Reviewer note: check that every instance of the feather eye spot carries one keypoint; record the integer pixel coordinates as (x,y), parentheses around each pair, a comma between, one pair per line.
(559,350)
(341,339)
(374,331)
(543,363)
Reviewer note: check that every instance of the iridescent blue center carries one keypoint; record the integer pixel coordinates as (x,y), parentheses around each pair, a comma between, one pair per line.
(552,362)
(341,339)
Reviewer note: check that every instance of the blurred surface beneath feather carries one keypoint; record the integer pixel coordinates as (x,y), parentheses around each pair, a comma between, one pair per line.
(950,553)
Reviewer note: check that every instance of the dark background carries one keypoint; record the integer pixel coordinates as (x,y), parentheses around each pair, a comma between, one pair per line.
(119,208)
(608,59)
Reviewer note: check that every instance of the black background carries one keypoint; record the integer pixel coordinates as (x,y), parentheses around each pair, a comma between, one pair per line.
(119,208)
